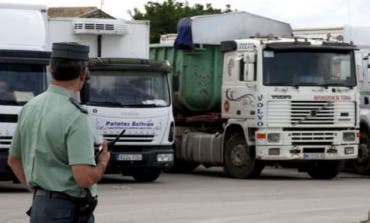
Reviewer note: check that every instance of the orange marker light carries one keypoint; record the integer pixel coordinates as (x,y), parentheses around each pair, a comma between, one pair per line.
(261,136)
(358,134)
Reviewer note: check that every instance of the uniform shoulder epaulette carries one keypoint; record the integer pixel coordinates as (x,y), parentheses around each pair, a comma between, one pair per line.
(77,104)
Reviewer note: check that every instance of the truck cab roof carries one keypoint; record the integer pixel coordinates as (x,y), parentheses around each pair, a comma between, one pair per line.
(276,43)
(128,64)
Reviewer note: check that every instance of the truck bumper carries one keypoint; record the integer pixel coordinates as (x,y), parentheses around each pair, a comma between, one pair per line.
(309,152)
(132,157)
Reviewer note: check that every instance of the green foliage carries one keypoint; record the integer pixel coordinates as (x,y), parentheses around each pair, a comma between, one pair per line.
(164,16)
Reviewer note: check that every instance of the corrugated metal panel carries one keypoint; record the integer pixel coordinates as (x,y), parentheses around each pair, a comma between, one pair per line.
(197,76)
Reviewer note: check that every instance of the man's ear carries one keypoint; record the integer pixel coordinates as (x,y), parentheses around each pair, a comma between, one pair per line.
(83,74)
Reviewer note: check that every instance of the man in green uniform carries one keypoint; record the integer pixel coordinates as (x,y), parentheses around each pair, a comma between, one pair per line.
(52,151)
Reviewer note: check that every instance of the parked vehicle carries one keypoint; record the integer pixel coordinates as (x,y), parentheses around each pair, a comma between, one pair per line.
(359,35)
(362,163)
(23,62)
(263,99)
(125,91)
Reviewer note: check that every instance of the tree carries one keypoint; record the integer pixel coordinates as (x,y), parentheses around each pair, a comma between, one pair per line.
(164,16)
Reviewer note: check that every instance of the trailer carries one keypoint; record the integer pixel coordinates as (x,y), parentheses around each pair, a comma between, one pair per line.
(105,37)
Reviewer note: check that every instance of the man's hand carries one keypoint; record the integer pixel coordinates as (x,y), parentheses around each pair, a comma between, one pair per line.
(16,165)
(105,154)
(86,175)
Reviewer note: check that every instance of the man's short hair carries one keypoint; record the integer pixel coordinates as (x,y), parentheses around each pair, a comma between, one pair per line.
(65,70)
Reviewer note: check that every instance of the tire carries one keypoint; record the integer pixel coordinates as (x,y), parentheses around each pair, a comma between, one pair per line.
(362,163)
(325,170)
(239,161)
(257,169)
(146,175)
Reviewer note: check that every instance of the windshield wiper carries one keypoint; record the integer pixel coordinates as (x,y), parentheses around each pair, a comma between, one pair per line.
(105,103)
(295,84)
(142,105)
(8,102)
(310,84)
(277,84)
(336,84)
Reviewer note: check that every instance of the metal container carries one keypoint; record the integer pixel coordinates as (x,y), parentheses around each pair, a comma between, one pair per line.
(196,76)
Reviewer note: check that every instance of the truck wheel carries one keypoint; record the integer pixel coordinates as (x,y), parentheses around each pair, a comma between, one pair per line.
(258,169)
(146,175)
(362,163)
(240,160)
(325,170)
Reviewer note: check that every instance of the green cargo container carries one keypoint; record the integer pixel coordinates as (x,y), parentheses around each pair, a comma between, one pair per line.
(196,76)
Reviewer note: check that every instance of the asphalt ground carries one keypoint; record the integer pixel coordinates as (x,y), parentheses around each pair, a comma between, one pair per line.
(208,196)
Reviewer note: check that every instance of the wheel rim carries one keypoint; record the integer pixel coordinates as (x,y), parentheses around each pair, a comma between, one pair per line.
(239,155)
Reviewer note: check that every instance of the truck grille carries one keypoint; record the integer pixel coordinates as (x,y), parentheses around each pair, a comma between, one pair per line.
(5,141)
(310,114)
(312,138)
(131,138)
(8,118)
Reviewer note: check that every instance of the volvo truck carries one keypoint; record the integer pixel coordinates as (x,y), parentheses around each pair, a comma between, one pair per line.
(260,97)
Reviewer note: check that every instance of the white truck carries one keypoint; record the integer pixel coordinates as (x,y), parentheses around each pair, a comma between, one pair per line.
(263,99)
(23,62)
(125,91)
(360,36)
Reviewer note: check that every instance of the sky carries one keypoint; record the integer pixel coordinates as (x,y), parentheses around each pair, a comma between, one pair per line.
(299,13)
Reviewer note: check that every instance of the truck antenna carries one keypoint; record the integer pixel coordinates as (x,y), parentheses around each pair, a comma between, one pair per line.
(101,4)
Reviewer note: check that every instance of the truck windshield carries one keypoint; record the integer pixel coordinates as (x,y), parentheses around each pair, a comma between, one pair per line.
(21,82)
(308,68)
(128,89)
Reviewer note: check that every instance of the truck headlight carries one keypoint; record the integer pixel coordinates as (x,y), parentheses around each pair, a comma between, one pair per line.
(273,137)
(165,157)
(349,136)
(349,150)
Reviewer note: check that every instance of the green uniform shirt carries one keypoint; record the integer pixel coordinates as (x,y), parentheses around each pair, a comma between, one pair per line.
(52,134)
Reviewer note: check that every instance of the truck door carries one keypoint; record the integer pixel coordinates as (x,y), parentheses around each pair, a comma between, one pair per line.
(239,85)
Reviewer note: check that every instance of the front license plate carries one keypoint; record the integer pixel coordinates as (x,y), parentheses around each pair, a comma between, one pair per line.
(129,157)
(313,156)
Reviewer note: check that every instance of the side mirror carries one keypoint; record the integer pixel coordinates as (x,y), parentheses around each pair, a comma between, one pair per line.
(85,93)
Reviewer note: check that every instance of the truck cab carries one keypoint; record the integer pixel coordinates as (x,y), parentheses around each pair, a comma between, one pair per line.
(126,91)
(23,68)
(294,99)
(132,94)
